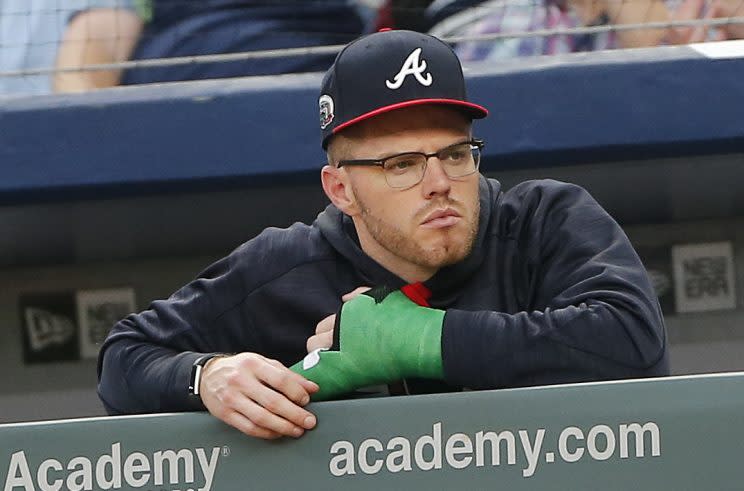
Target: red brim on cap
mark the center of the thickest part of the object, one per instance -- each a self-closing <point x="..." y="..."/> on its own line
<point x="473" y="110"/>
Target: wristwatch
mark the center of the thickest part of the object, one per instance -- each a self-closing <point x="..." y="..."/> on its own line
<point x="196" y="373"/>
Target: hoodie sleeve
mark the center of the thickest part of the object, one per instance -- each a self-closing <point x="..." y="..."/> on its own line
<point x="593" y="313"/>
<point x="145" y="363"/>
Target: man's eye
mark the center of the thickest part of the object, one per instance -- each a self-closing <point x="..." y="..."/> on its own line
<point x="455" y="155"/>
<point x="401" y="165"/>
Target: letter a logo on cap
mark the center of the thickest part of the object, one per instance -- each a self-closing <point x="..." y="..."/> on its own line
<point x="412" y="66"/>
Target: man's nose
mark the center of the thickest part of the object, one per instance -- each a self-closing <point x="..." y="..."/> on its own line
<point x="435" y="180"/>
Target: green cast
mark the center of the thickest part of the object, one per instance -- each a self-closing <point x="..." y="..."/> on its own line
<point x="383" y="337"/>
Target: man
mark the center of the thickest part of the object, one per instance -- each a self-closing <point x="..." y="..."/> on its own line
<point x="473" y="287"/>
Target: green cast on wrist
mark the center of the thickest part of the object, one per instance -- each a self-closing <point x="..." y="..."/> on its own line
<point x="382" y="337"/>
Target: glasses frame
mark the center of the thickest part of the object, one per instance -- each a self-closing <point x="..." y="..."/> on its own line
<point x="475" y="144"/>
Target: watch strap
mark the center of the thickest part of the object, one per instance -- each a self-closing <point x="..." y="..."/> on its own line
<point x="196" y="372"/>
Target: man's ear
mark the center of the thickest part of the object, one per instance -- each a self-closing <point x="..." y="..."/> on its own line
<point x="337" y="187"/>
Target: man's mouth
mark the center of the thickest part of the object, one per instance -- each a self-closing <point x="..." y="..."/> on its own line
<point x="441" y="218"/>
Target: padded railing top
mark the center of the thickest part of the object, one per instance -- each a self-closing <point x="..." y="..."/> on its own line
<point x="671" y="434"/>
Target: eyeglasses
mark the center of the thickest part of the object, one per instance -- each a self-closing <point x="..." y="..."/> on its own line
<point x="405" y="170"/>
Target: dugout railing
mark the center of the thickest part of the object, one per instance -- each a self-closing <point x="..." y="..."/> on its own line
<point x="681" y="433"/>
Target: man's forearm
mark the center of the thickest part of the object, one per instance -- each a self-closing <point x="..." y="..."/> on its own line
<point x="592" y="341"/>
<point x="145" y="378"/>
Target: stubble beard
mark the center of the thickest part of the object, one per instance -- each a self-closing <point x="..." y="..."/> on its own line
<point x="455" y="248"/>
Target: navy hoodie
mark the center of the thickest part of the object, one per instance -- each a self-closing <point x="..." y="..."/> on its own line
<point x="552" y="292"/>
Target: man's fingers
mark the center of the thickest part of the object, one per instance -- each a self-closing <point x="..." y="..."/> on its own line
<point x="269" y="417"/>
<point x="283" y="395"/>
<point x="326" y="324"/>
<point x="245" y="425"/>
<point x="258" y="396"/>
<point x="261" y="420"/>
<point x="309" y="386"/>
<point x="271" y="410"/>
<point x="354" y="293"/>
<point x="291" y="384"/>
<point x="323" y="340"/>
<point x="323" y="337"/>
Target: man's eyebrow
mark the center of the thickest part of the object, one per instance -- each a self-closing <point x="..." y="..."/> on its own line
<point x="445" y="147"/>
<point x="465" y="139"/>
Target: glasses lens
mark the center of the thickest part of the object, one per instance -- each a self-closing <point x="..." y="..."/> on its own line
<point x="460" y="160"/>
<point x="404" y="170"/>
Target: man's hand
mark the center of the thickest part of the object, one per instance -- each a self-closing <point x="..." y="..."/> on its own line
<point x="257" y="395"/>
<point x="323" y="337"/>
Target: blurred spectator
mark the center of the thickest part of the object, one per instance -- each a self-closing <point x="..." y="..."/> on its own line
<point x="171" y="28"/>
<point x="96" y="36"/>
<point x="407" y="14"/>
<point x="451" y="18"/>
<point x="30" y="31"/>
<point x="455" y="18"/>
<point x="732" y="8"/>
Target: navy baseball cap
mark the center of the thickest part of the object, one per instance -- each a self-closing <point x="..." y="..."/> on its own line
<point x="390" y="70"/>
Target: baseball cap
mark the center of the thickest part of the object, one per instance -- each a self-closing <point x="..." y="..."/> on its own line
<point x="390" y="70"/>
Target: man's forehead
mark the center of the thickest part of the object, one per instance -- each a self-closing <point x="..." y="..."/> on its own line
<point x="390" y="125"/>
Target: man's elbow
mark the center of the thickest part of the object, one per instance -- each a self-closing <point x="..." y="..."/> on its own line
<point x="650" y="355"/>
